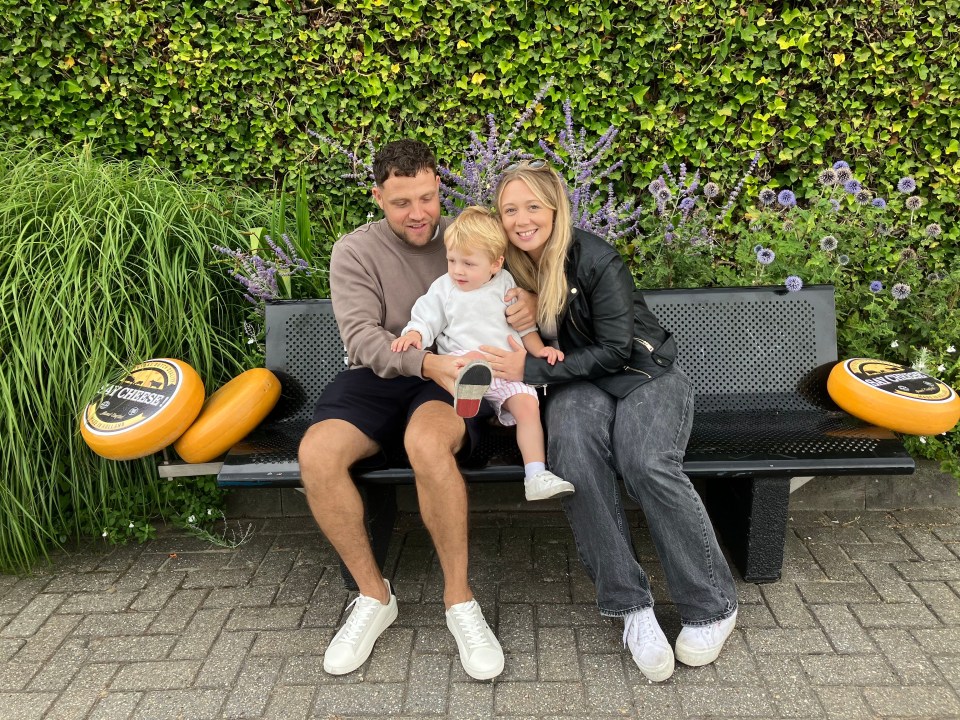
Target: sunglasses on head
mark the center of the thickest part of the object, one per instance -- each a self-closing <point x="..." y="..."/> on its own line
<point x="532" y="164"/>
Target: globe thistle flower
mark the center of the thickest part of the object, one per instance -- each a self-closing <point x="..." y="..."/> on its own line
<point x="914" y="202"/>
<point x="757" y="248"/>
<point x="876" y="286"/>
<point x="863" y="197"/>
<point x="765" y="256"/>
<point x="793" y="283"/>
<point x="935" y="277"/>
<point x="900" y="291"/>
<point x="933" y="230"/>
<point x="835" y="204"/>
<point x="755" y="226"/>
<point x="906" y="185"/>
<point x="767" y="196"/>
<point x="655" y="186"/>
<point x="844" y="175"/>
<point x="786" y="198"/>
<point x="843" y="259"/>
<point x="908" y="254"/>
<point x="828" y="243"/>
<point x="711" y="189"/>
<point x="664" y="194"/>
<point x="879" y="203"/>
<point x="841" y="164"/>
<point x="852" y="186"/>
<point x="827" y="177"/>
<point x="687" y="204"/>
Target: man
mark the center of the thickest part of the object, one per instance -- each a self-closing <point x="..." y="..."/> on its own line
<point x="377" y="273"/>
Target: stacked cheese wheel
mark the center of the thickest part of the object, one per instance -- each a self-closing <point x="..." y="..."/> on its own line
<point x="161" y="402"/>
<point x="894" y="396"/>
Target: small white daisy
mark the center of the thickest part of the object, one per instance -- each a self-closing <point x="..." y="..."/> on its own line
<point x="894" y="344"/>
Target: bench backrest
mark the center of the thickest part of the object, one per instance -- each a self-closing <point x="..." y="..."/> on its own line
<point x="744" y="348"/>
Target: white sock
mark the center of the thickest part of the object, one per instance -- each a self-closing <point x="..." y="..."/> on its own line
<point x="531" y="469"/>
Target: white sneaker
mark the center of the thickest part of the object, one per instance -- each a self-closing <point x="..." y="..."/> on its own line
<point x="648" y="645"/>
<point x="480" y="653"/>
<point x="544" y="485"/>
<point x="701" y="644"/>
<point x="353" y="643"/>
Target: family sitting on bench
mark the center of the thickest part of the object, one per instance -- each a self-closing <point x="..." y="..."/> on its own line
<point x="618" y="406"/>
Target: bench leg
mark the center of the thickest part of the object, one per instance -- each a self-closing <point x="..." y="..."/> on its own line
<point x="751" y="516"/>
<point x="381" y="507"/>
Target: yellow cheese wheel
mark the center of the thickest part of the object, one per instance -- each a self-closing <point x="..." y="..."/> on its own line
<point x="894" y="396"/>
<point x="145" y="411"/>
<point x="229" y="414"/>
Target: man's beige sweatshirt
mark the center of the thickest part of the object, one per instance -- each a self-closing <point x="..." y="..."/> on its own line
<point x="375" y="278"/>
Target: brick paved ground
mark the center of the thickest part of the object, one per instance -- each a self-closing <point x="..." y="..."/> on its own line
<point x="864" y="624"/>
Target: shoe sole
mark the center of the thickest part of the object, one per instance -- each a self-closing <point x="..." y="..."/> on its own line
<point x="558" y="493"/>
<point x="697" y="658"/>
<point x="488" y="675"/>
<point x="344" y="669"/>
<point x="472" y="383"/>
<point x="659" y="673"/>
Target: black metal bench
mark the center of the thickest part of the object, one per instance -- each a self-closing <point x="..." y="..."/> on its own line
<point x="758" y="358"/>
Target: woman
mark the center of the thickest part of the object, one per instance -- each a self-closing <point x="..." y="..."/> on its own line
<point x="618" y="405"/>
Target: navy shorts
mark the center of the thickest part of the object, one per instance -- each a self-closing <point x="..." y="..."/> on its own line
<point x="381" y="408"/>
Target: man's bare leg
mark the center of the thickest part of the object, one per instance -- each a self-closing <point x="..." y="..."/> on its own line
<point x="434" y="435"/>
<point x="327" y="451"/>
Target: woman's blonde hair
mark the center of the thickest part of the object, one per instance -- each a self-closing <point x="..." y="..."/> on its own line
<point x="476" y="230"/>
<point x="547" y="278"/>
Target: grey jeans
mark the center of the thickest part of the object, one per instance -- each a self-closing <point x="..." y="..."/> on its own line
<point x="594" y="437"/>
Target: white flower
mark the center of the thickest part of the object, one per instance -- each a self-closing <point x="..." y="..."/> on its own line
<point x="104" y="533"/>
<point x="923" y="439"/>
<point x="941" y="368"/>
<point x="209" y="511"/>
<point x="894" y="344"/>
<point x="130" y="525"/>
<point x="192" y="519"/>
<point x="951" y="349"/>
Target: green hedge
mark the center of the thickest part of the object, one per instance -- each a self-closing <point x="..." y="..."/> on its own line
<point x="228" y="87"/>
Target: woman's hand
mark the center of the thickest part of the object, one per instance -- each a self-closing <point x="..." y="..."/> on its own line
<point x="521" y="308"/>
<point x="507" y="364"/>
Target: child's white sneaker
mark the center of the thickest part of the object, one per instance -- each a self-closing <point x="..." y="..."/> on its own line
<point x="544" y="485"/>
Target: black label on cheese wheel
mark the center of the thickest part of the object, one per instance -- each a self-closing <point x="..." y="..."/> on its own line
<point x="146" y="390"/>
<point x="898" y="380"/>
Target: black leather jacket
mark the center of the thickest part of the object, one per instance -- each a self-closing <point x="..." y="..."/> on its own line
<point x="607" y="333"/>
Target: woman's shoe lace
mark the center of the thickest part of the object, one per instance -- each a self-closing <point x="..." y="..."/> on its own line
<point x="639" y="627"/>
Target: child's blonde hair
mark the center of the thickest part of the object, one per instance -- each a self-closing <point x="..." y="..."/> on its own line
<point x="476" y="230"/>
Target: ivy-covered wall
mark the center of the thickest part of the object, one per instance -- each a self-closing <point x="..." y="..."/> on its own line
<point x="228" y="87"/>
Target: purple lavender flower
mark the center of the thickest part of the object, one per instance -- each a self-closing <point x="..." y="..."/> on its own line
<point x="828" y="243"/>
<point x="765" y="256"/>
<point x="687" y="204"/>
<point x="786" y="198"/>
<point x="793" y="283"/>
<point x="900" y="291"/>
<point x="711" y="189"/>
<point x="879" y="203"/>
<point x="841" y="164"/>
<point x="835" y="204"/>
<point x="906" y="185"/>
<point x="852" y="186"/>
<point x="767" y="196"/>
<point x="669" y="238"/>
<point x="876" y="286"/>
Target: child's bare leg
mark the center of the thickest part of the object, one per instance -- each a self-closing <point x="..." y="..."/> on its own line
<point x="526" y="410"/>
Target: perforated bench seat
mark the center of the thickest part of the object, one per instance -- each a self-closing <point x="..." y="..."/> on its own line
<point x="758" y="359"/>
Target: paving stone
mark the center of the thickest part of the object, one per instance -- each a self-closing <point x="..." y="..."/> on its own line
<point x="327" y="614"/>
<point x="601" y="640"/>
<point x="116" y="706"/>
<point x="290" y="702"/>
<point x="894" y="615"/>
<point x="941" y="599"/>
<point x="128" y="623"/>
<point x="880" y="552"/>
<point x="156" y="592"/>
<point x="938" y="641"/>
<point x="25" y="706"/>
<point x="791" y="642"/>
<point x="282" y="643"/>
<point x="755" y="616"/>
<point x="907" y="658"/>
<point x="300" y="585"/>
<point x="108" y="601"/>
<point x="569" y="615"/>
<point x="657" y="700"/>
<point x="538" y="698"/>
<point x="843" y="630"/>
<point x="787" y="605"/>
<point x="516" y="631"/>
<point x="274" y="567"/>
<point x="788" y="688"/>
<point x="421" y="615"/>
<point x="178" y="612"/>
<point x="847" y="670"/>
<point x="260" y="596"/>
<point x="82" y="582"/>
<point x="200" y="634"/>
<point x="950" y="669"/>
<point x="225" y="659"/>
<point x="94" y="676"/>
<point x="59" y="670"/>
<point x="196" y="704"/>
<point x="918" y="702"/>
<point x="834" y="533"/>
<point x="837" y="592"/>
<point x="434" y="640"/>
<point x="927" y="545"/>
<point x="929" y="517"/>
<point x="887" y="582"/>
<point x="15" y="675"/>
<point x="520" y="667"/>
<point x="529" y="589"/>
<point x="253" y="688"/>
<point x="605" y="685"/>
<point x="557" y="654"/>
<point x="284" y="618"/>
<point x="71" y="705"/>
<point x="428" y="685"/>
<point x="156" y="675"/>
<point x="131" y="648"/>
<point x="471" y="700"/>
<point x="33" y="615"/>
<point x="844" y="703"/>
<point x="736" y="665"/>
<point x="836" y="564"/>
<point x="9" y="647"/>
<point x="221" y="578"/>
<point x="936" y="570"/>
<point x="381" y="699"/>
<point x="727" y="702"/>
<point x="390" y="660"/>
